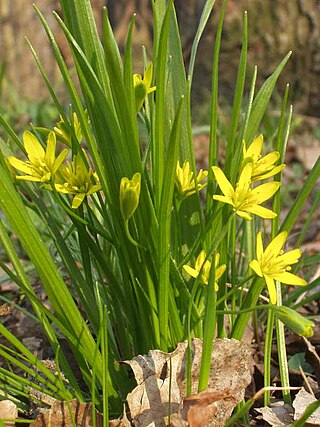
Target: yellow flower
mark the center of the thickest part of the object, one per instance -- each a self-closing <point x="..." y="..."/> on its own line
<point x="62" y="130"/>
<point x="273" y="264"/>
<point x="185" y="183"/>
<point x="42" y="165"/>
<point x="76" y="178"/>
<point x="204" y="266"/>
<point x="243" y="198"/>
<point x="262" y="167"/>
<point x="142" y="86"/>
<point x="129" y="195"/>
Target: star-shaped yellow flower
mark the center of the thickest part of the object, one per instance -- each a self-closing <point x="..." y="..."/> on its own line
<point x="262" y="167"/>
<point x="243" y="198"/>
<point x="76" y="178"/>
<point x="62" y="129"/>
<point x="273" y="264"/>
<point x="42" y="165"/>
<point x="204" y="266"/>
<point x="142" y="86"/>
<point x="185" y="183"/>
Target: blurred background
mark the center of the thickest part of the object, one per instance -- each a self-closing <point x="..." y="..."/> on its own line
<point x="275" y="27"/>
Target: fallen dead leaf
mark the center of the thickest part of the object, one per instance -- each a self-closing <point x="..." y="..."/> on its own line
<point x="199" y="409"/>
<point x="122" y="421"/>
<point x="278" y="414"/>
<point x="59" y="415"/>
<point x="161" y="379"/>
<point x="8" y="411"/>
<point x="302" y="400"/>
<point x="5" y="309"/>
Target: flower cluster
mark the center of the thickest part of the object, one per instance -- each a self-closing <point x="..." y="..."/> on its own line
<point x="185" y="183"/>
<point x="75" y="177"/>
<point x="203" y="267"/>
<point x="246" y="199"/>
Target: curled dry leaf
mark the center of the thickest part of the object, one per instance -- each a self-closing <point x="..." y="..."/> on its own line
<point x="199" y="409"/>
<point x="161" y="389"/>
<point x="5" y="309"/>
<point x="278" y="414"/>
<point x="8" y="411"/>
<point x="59" y="415"/>
<point x="302" y="400"/>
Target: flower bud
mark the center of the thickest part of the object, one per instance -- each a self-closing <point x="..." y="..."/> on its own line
<point x="142" y="86"/>
<point x="295" y="321"/>
<point x="129" y="195"/>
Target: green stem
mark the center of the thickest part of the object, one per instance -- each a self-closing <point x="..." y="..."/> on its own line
<point x="232" y="243"/>
<point x="282" y="352"/>
<point x="129" y="237"/>
<point x="209" y="327"/>
<point x="267" y="356"/>
<point x="249" y="302"/>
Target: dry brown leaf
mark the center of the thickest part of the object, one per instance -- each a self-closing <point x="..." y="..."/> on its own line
<point x="59" y="416"/>
<point x="8" y="411"/>
<point x="5" y="309"/>
<point x="278" y="414"/>
<point x="160" y="375"/>
<point x="300" y="404"/>
<point x="122" y="421"/>
<point x="199" y="409"/>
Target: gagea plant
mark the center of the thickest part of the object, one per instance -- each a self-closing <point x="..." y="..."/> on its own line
<point x="148" y="250"/>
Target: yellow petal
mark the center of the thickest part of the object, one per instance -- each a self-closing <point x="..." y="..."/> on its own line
<point x="256" y="147"/>
<point x="223" y="182"/>
<point x="51" y="150"/>
<point x="270" y="159"/>
<point x="290" y="279"/>
<point x="275" y="246"/>
<point x="269" y="174"/>
<point x="291" y="257"/>
<point x="200" y="260"/>
<point x="259" y="248"/>
<point x="77" y="200"/>
<point x="261" y="211"/>
<point x="271" y="289"/>
<point x="32" y="146"/>
<point x="20" y="165"/>
<point x="147" y="78"/>
<point x="255" y="266"/>
<point x="219" y="271"/>
<point x="137" y="79"/>
<point x="94" y="189"/>
<point x="191" y="271"/>
<point x="265" y="191"/>
<point x="244" y="215"/>
<point x="28" y="178"/>
<point x="59" y="160"/>
<point x="245" y="176"/>
<point x="223" y="199"/>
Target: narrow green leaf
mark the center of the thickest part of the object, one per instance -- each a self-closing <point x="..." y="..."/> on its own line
<point x="261" y="101"/>
<point x="165" y="228"/>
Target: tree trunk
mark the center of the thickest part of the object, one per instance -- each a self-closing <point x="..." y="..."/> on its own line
<point x="275" y="27"/>
<point x="17" y="20"/>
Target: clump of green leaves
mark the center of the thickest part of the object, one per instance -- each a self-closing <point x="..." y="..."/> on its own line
<point x="127" y="219"/>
